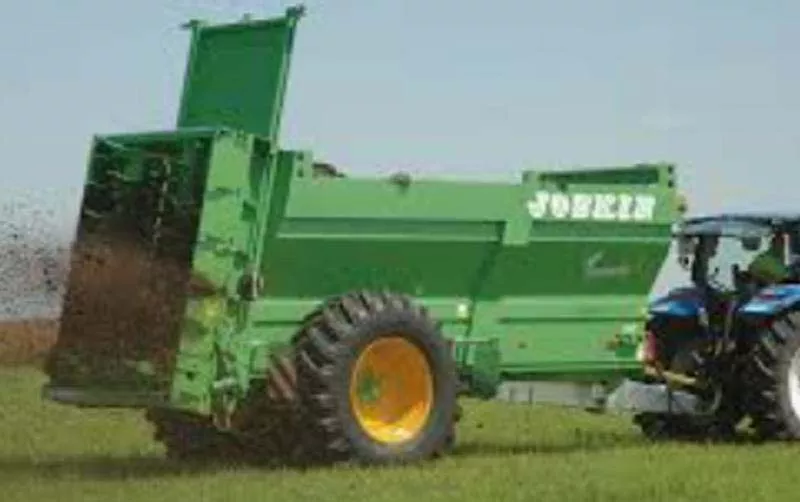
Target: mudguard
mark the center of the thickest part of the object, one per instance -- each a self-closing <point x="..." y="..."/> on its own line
<point x="680" y="302"/>
<point x="772" y="300"/>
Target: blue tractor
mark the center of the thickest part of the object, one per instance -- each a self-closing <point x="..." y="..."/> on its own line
<point x="726" y="347"/>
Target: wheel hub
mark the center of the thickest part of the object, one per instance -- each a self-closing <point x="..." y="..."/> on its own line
<point x="391" y="390"/>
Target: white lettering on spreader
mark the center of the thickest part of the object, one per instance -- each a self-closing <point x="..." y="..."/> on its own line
<point x="597" y="206"/>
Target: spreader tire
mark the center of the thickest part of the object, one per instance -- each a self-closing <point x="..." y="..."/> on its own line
<point x="774" y="379"/>
<point x="384" y="340"/>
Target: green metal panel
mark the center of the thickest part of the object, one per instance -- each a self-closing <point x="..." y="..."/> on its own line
<point x="569" y="299"/>
<point x="222" y="233"/>
<point x="561" y="289"/>
<point x="236" y="74"/>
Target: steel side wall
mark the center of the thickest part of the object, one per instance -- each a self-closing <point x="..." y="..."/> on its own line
<point x="472" y="254"/>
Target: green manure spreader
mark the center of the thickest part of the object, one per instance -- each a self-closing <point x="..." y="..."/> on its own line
<point x="254" y="300"/>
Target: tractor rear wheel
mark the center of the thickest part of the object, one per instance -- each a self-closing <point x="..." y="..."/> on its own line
<point x="376" y="380"/>
<point x="774" y="379"/>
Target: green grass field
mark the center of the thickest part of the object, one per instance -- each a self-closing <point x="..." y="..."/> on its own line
<point x="505" y="452"/>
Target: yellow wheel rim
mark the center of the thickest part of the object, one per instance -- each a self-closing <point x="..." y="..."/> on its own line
<point x="391" y="390"/>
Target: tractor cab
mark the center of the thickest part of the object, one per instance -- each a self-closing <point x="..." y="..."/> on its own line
<point x="739" y="254"/>
<point x="729" y="258"/>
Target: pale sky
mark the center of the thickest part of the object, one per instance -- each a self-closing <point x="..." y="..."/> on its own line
<point x="441" y="88"/>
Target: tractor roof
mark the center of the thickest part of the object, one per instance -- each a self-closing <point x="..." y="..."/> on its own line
<point x="751" y="224"/>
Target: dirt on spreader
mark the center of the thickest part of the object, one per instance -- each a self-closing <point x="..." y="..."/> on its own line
<point x="119" y="304"/>
<point x="26" y="342"/>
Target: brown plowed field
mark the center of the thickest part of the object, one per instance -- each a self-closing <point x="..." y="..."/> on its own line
<point x="26" y="341"/>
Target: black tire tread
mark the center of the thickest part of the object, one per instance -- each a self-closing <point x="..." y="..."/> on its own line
<point x="317" y="348"/>
<point x="769" y="422"/>
<point x="293" y="420"/>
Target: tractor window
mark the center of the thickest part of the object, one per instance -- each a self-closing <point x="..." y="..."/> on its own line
<point x="731" y="252"/>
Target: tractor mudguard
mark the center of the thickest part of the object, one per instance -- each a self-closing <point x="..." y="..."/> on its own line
<point x="679" y="302"/>
<point x="772" y="300"/>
